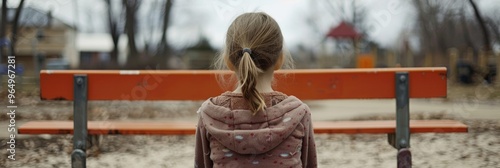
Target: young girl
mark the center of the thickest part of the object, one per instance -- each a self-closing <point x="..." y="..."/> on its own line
<point x="254" y="126"/>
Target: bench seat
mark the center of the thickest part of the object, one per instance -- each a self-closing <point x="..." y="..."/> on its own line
<point x="187" y="128"/>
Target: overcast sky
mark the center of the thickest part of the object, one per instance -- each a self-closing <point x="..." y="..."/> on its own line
<point x="302" y="22"/>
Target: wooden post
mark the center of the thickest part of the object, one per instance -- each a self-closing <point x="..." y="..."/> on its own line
<point x="452" y="65"/>
<point x="357" y="52"/>
<point x="428" y="60"/>
<point x="391" y="59"/>
<point x="409" y="59"/>
<point x="374" y="51"/>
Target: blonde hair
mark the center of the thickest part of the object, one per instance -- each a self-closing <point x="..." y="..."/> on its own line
<point x="261" y="34"/>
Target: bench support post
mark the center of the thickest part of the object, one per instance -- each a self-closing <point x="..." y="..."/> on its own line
<point x="78" y="156"/>
<point x="402" y="111"/>
<point x="401" y="139"/>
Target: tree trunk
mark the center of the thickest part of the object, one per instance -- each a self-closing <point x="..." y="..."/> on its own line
<point x="466" y="35"/>
<point x="164" y="49"/>
<point x="438" y="37"/>
<point x="115" y="34"/>
<point x="487" y="44"/>
<point x="487" y="49"/>
<point x="15" y="27"/>
<point x="3" y="26"/>
<point x="131" y="7"/>
<point x="424" y="26"/>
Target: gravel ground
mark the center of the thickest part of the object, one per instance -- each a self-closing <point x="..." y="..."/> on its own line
<point x="479" y="148"/>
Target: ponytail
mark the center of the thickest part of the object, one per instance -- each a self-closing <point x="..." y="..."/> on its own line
<point x="248" y="73"/>
<point x="261" y="33"/>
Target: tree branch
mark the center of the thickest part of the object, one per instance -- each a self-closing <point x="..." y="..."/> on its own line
<point x="15" y="27"/>
<point x="479" y="18"/>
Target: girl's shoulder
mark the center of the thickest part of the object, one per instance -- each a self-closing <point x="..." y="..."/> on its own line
<point x="265" y="94"/>
<point x="236" y="100"/>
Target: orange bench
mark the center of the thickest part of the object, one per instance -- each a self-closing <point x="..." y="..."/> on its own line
<point x="187" y="128"/>
<point x="401" y="84"/>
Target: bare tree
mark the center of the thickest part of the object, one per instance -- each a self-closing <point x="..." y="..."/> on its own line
<point x="443" y="24"/>
<point x="15" y="27"/>
<point x="357" y="18"/>
<point x="3" y="28"/>
<point x="480" y="20"/>
<point x="113" y="31"/>
<point x="429" y="25"/>
<point x="163" y="47"/>
<point x="151" y="24"/>
<point x="131" y="7"/>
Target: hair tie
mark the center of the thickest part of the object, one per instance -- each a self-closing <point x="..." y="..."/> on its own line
<point x="247" y="50"/>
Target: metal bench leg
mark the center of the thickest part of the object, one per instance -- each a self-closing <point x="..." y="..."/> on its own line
<point x="401" y="139"/>
<point x="404" y="158"/>
<point x="78" y="156"/>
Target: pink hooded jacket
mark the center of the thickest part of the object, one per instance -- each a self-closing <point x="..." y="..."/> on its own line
<point x="228" y="135"/>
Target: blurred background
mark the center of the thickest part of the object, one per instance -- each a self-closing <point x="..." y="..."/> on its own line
<point x="463" y="35"/>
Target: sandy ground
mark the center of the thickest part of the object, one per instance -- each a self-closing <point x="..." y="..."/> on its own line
<point x="478" y="107"/>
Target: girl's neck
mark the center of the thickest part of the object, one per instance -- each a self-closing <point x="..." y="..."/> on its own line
<point x="264" y="82"/>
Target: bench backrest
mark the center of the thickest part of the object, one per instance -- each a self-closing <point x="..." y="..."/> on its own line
<point x="202" y="84"/>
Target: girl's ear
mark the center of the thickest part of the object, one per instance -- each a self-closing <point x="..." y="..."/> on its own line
<point x="230" y="65"/>
<point x="279" y="62"/>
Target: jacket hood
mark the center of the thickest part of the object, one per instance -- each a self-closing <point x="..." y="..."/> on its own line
<point x="242" y="132"/>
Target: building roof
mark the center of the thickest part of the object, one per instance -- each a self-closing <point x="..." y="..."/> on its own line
<point x="343" y="30"/>
<point x="31" y="17"/>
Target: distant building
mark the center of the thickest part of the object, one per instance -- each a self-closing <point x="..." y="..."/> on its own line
<point x="200" y="56"/>
<point x="94" y="50"/>
<point x="360" y="56"/>
<point x="343" y="30"/>
<point x="56" y="39"/>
